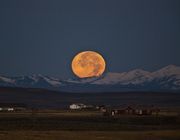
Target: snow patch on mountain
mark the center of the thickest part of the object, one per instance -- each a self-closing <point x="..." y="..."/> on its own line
<point x="170" y="70"/>
<point x="52" y="81"/>
<point x="6" y="79"/>
<point x="110" y="78"/>
<point x="136" y="76"/>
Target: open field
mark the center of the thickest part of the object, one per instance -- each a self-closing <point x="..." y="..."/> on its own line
<point x="89" y="125"/>
<point x="85" y="121"/>
<point x="90" y="135"/>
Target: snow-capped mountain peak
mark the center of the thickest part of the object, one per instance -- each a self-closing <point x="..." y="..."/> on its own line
<point x="167" y="78"/>
<point x="136" y="76"/>
<point x="167" y="71"/>
<point x="140" y="77"/>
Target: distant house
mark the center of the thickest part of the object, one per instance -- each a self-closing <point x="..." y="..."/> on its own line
<point x="10" y="107"/>
<point x="77" y="106"/>
<point x="134" y="111"/>
<point x="81" y="106"/>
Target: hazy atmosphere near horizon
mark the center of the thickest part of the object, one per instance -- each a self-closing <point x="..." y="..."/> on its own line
<point x="42" y="37"/>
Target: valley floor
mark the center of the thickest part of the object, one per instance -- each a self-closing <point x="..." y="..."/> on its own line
<point x="91" y="135"/>
<point x="87" y="125"/>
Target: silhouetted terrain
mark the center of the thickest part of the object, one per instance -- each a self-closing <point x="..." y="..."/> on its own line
<point x="40" y="98"/>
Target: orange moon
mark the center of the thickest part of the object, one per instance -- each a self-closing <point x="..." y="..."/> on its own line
<point x="88" y="64"/>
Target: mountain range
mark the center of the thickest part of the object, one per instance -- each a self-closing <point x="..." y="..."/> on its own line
<point x="166" y="79"/>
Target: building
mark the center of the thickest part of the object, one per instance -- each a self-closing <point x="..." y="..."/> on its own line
<point x="77" y="106"/>
<point x="141" y="111"/>
<point x="11" y="107"/>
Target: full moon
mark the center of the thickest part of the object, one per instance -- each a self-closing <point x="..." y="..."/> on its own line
<point x="88" y="64"/>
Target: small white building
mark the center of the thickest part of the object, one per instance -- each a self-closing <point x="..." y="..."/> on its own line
<point x="77" y="106"/>
<point x="11" y="107"/>
<point x="7" y="109"/>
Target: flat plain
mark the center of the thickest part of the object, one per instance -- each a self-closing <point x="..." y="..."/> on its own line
<point x="81" y="125"/>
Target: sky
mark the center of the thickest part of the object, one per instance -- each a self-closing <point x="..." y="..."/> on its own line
<point x="43" y="36"/>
